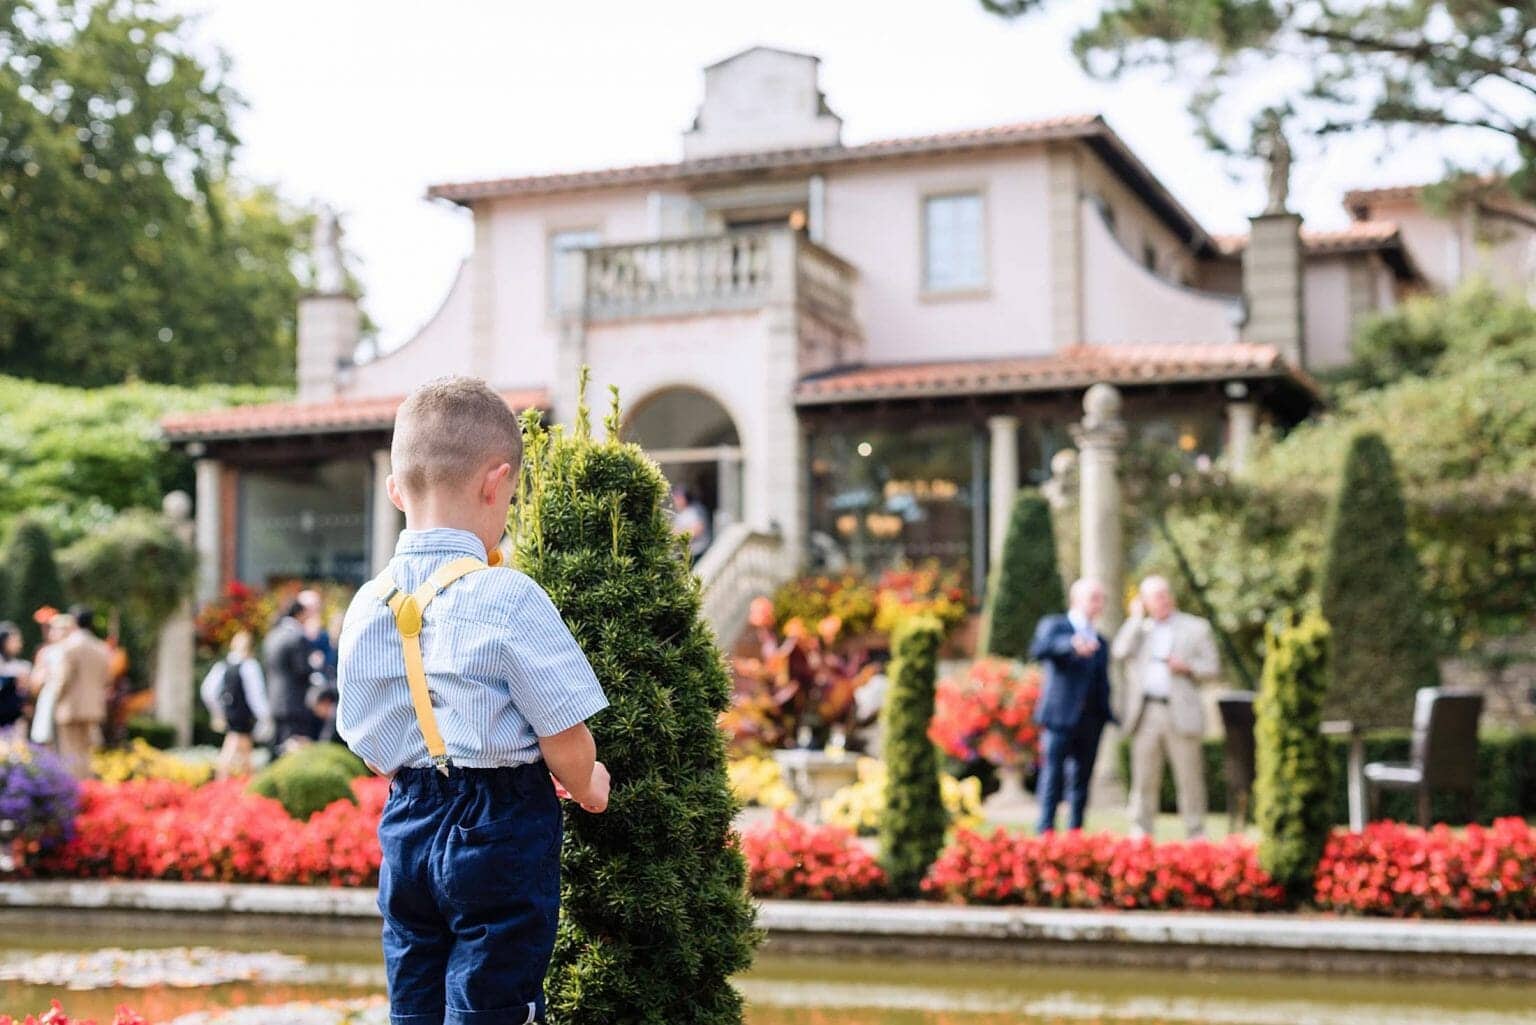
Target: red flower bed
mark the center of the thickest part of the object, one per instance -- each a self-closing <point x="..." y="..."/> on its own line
<point x="791" y="860"/>
<point x="1077" y="870"/>
<point x="156" y="829"/>
<point x="1405" y="872"/>
<point x="55" y="1016"/>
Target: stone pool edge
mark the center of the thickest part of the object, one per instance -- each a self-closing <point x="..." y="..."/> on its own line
<point x="1144" y="938"/>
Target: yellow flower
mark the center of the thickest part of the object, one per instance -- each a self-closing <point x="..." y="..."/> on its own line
<point x="141" y="760"/>
<point x="758" y="780"/>
<point x="860" y="805"/>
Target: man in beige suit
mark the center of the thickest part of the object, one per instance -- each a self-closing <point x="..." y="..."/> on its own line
<point x="1165" y="654"/>
<point x="84" y="674"/>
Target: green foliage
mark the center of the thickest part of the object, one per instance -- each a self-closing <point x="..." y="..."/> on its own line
<point x="126" y="248"/>
<point x="1025" y="585"/>
<point x="656" y="917"/>
<point x="76" y="457"/>
<point x="157" y="734"/>
<point x="1292" y="779"/>
<point x="1463" y="439"/>
<point x="1422" y="65"/>
<point x="34" y="577"/>
<point x="310" y="779"/>
<point x="1371" y="597"/>
<point x="136" y="564"/>
<point x="912" y="831"/>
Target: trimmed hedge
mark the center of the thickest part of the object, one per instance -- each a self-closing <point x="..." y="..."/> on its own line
<point x="1506" y="774"/>
<point x="310" y="779"/>
<point x="1025" y="585"/>
<point x="912" y="829"/>
<point x="1383" y="646"/>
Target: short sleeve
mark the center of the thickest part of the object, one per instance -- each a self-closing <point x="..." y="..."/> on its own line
<point x="551" y="681"/>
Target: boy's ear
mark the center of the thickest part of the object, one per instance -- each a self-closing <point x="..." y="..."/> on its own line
<point x="392" y="488"/>
<point x="493" y="481"/>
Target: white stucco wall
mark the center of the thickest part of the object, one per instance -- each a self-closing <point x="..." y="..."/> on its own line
<point x="1328" y="326"/>
<point x="441" y="346"/>
<point x="1135" y="225"/>
<point x="1123" y="301"/>
<point x="874" y="220"/>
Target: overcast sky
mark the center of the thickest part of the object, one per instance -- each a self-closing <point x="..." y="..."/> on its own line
<point x="364" y="103"/>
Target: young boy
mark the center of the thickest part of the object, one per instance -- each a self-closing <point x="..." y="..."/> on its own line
<point x="462" y="684"/>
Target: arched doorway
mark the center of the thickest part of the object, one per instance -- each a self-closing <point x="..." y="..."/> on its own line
<point x="695" y="440"/>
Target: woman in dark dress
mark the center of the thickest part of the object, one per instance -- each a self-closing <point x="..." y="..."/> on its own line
<point x="14" y="671"/>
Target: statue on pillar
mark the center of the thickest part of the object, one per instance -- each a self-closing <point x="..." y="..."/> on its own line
<point x="330" y="271"/>
<point x="1269" y="142"/>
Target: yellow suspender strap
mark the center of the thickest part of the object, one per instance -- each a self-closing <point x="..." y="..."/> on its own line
<point x="408" y="609"/>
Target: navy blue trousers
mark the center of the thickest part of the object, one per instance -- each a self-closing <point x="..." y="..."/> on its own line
<point x="470" y="892"/>
<point x="1066" y="764"/>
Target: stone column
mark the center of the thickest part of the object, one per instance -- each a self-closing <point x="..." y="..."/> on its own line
<point x="384" y="528"/>
<point x="175" y="647"/>
<point x="729" y="470"/>
<point x="816" y="214"/>
<point x="1242" y="422"/>
<point x="210" y="474"/>
<point x="571" y="348"/>
<point x="1099" y="439"/>
<point x="1003" y="474"/>
<point x="1272" y="286"/>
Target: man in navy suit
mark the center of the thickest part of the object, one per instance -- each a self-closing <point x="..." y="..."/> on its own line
<point x="1074" y="704"/>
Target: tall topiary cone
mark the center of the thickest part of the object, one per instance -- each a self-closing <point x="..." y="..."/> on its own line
<point x="34" y="578"/>
<point x="1371" y="596"/>
<point x="912" y="829"/>
<point x="1025" y="585"/>
<point x="656" y="918"/>
<point x="1292" y="770"/>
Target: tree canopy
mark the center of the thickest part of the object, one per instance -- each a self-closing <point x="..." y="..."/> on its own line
<point x="127" y="248"/>
<point x="1399" y="64"/>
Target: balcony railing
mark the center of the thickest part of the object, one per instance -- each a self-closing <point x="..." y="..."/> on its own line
<point x="679" y="276"/>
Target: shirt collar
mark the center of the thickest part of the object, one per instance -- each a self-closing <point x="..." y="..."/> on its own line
<point x="1078" y="620"/>
<point x="439" y="541"/>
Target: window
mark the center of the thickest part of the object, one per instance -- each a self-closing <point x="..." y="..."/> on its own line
<point x="1149" y="256"/>
<point x="560" y="264"/>
<point x="954" y="259"/>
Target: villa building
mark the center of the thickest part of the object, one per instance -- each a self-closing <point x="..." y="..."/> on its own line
<point x="851" y="352"/>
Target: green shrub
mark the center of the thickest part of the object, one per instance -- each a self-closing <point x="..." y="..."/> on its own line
<point x="152" y="731"/>
<point x="657" y="919"/>
<point x="1382" y="648"/>
<point x="1292" y="778"/>
<point x="310" y="779"/>
<point x="912" y="831"/>
<point x="1025" y="585"/>
<point x="28" y="557"/>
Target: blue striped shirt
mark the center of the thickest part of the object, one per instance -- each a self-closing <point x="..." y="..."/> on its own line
<point x="502" y="668"/>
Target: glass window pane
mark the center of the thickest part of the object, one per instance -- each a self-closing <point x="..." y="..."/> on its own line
<point x="953" y="236"/>
<point x="305" y="523"/>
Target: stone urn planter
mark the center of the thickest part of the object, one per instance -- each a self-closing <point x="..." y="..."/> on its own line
<point x="815" y="774"/>
<point x="1010" y="804"/>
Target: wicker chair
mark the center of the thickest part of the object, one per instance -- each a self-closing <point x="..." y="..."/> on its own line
<point x="1238" y="763"/>
<point x="1443" y="756"/>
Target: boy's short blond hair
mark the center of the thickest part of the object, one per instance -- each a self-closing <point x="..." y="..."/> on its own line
<point x="448" y="432"/>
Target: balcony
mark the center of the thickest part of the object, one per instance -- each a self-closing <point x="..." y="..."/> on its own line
<point x="720" y="274"/>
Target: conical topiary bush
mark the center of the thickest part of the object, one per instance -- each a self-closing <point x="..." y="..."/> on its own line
<point x="912" y="829"/>
<point x="34" y="578"/>
<point x="656" y="918"/>
<point x="1025" y="585"/>
<point x="1372" y="596"/>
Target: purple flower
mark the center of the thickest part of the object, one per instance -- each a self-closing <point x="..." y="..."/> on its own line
<point x="38" y="796"/>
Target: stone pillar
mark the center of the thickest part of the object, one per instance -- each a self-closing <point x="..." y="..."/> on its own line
<point x="482" y="299"/>
<point x="210" y="473"/>
<point x="384" y="528"/>
<point x="1242" y="423"/>
<point x="729" y="470"/>
<point x="776" y="450"/>
<point x="571" y="347"/>
<point x="1099" y="439"/>
<point x="816" y="214"/>
<point x="175" y="648"/>
<point x="329" y="329"/>
<point x="1272" y="285"/>
<point x="1003" y="481"/>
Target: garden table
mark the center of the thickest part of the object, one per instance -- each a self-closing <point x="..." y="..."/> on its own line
<point x="1355" y="773"/>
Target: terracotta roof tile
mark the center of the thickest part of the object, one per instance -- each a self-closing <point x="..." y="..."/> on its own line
<point x="1358" y="236"/>
<point x="275" y="419"/>
<point x="1077" y="366"/>
<point x="807" y="157"/>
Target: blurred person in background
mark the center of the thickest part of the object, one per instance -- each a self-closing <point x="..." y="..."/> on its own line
<point x="15" y="672"/>
<point x="235" y="693"/>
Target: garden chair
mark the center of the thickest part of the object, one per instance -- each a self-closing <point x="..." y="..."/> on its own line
<point x="1443" y="756"/>
<point x="1238" y="762"/>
